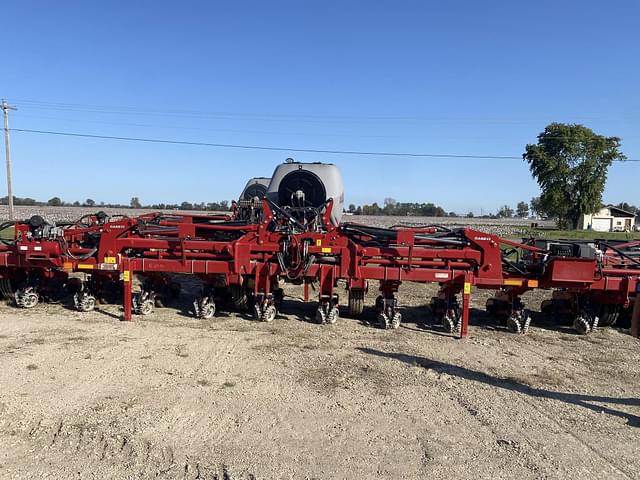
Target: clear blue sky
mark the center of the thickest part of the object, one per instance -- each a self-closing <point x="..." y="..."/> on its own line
<point x="460" y="77"/>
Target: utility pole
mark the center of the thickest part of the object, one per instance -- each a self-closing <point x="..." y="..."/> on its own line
<point x="5" y="109"/>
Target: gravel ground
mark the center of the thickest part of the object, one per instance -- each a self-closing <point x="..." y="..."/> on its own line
<point x="167" y="396"/>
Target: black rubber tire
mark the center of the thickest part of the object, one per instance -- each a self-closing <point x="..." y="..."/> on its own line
<point x="608" y="315"/>
<point x="490" y="308"/>
<point x="356" y="302"/>
<point x="239" y="297"/>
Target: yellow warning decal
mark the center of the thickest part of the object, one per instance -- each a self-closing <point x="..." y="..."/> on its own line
<point x="126" y="276"/>
<point x="532" y="283"/>
<point x="467" y="288"/>
<point x="513" y="283"/>
<point x="326" y="250"/>
<point x="109" y="260"/>
<point x="318" y="243"/>
<point x="85" y="266"/>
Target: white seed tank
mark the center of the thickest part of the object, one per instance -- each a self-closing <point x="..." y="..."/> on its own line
<point x="311" y="183"/>
<point x="256" y="187"/>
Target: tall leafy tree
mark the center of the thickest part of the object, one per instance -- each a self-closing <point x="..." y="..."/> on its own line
<point x="536" y="206"/>
<point x="570" y="163"/>
<point x="522" y="209"/>
<point x="505" y="212"/>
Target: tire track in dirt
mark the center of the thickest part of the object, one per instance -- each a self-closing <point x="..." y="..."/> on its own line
<point x="536" y="460"/>
<point x="135" y="455"/>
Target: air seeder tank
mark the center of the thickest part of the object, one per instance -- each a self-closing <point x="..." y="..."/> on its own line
<point x="256" y="187"/>
<point x="297" y="184"/>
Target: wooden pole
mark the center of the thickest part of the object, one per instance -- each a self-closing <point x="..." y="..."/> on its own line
<point x="7" y="151"/>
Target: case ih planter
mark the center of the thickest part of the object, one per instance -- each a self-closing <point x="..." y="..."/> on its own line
<point x="290" y="231"/>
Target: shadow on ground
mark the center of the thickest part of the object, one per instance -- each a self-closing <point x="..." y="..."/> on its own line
<point x="509" y="384"/>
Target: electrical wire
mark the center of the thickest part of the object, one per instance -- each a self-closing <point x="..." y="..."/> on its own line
<point x="119" y="110"/>
<point x="277" y="149"/>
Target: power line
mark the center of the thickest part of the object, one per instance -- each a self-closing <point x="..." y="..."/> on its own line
<point x="262" y="116"/>
<point x="261" y="147"/>
<point x="230" y="130"/>
<point x="279" y="149"/>
<point x="263" y="132"/>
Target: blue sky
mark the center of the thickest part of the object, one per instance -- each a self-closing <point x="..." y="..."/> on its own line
<point x="458" y="77"/>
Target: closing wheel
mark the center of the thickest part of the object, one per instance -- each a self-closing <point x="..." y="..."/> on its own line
<point x="269" y="313"/>
<point x="451" y="321"/>
<point x="84" y="302"/>
<point x="390" y="320"/>
<point x="27" y="298"/>
<point x="396" y="320"/>
<point x="146" y="307"/>
<point x="519" y="321"/>
<point x="382" y="320"/>
<point x="327" y="314"/>
<point x="333" y="315"/>
<point x="207" y="310"/>
<point x="144" y="303"/>
<point x="581" y="325"/>
<point x="204" y="307"/>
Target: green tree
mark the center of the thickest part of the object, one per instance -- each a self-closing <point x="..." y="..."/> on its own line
<point x="627" y="207"/>
<point x="135" y="202"/>
<point x="536" y="206"/>
<point x="570" y="164"/>
<point x="89" y="202"/>
<point x="505" y="212"/>
<point x="522" y="209"/>
<point x="54" y="202"/>
<point x="371" y="209"/>
<point x="352" y="208"/>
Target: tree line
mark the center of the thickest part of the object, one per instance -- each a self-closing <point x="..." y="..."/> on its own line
<point x="134" y="203"/>
<point x="392" y="207"/>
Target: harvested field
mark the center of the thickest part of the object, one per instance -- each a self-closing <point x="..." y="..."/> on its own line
<point x="506" y="226"/>
<point x="70" y="214"/>
<point x="167" y="396"/>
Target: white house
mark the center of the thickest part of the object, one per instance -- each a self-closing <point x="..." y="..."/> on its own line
<point x="608" y="219"/>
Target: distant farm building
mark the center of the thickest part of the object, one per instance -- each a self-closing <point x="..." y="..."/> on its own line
<point x="608" y="219"/>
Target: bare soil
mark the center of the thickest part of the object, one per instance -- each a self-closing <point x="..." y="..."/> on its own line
<point x="167" y="396"/>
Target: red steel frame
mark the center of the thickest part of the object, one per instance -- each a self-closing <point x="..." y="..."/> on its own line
<point x="160" y="243"/>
